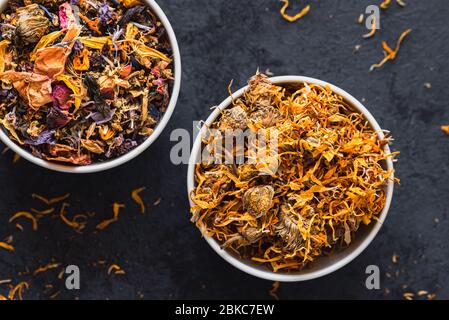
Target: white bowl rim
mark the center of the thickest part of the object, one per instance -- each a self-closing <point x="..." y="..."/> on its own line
<point x="284" y="277"/>
<point x="102" y="166"/>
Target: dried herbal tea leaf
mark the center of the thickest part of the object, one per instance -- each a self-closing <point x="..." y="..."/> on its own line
<point x="66" y="66"/>
<point x="329" y="181"/>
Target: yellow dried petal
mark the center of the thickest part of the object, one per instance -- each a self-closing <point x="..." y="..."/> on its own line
<point x="136" y="197"/>
<point x="27" y="215"/>
<point x="95" y="42"/>
<point x="130" y="3"/>
<point x="297" y="16"/>
<point x="3" y="46"/>
<point x="74" y="85"/>
<point x="6" y="246"/>
<point x="45" y="41"/>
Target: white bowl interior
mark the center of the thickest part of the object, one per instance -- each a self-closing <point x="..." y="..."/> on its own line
<point x="323" y="265"/>
<point x="96" y="167"/>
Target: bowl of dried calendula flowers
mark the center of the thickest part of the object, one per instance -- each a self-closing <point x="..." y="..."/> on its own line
<point x="290" y="178"/>
<point x="85" y="85"/>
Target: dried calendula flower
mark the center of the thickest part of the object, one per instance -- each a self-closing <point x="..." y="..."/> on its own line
<point x="258" y="200"/>
<point x="246" y="237"/>
<point x="32" y="24"/>
<point x="234" y="118"/>
<point x="247" y="171"/>
<point x="330" y="176"/>
<point x="290" y="229"/>
<point x="266" y="116"/>
<point x="69" y="65"/>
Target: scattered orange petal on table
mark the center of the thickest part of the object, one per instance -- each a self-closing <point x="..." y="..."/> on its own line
<point x="297" y="16"/>
<point x="445" y="129"/>
<point x="18" y="290"/>
<point x="6" y="246"/>
<point x="47" y="267"/>
<point x="116" y="269"/>
<point x="136" y="197"/>
<point x="116" y="210"/>
<point x="50" y="201"/>
<point x="389" y="53"/>
<point x="27" y="215"/>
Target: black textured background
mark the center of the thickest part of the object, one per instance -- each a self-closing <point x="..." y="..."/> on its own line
<point x="162" y="252"/>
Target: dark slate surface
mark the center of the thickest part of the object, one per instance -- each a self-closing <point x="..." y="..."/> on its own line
<point x="163" y="254"/>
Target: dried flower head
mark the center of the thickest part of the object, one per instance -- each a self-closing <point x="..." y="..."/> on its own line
<point x="258" y="200"/>
<point x="32" y="24"/>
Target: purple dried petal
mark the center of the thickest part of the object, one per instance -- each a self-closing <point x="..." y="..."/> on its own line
<point x="101" y="118"/>
<point x="104" y="14"/>
<point x="154" y="113"/>
<point x="119" y="147"/>
<point x="56" y="118"/>
<point x="116" y="142"/>
<point x="8" y="94"/>
<point x="125" y="147"/>
<point x="61" y="95"/>
<point x="131" y="14"/>
<point x="78" y="46"/>
<point x="46" y="137"/>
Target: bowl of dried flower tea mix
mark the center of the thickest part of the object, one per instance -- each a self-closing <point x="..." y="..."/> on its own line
<point x="290" y="178"/>
<point x="85" y="85"/>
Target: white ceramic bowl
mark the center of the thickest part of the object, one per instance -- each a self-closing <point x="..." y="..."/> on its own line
<point x="323" y="265"/>
<point x="96" y="167"/>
